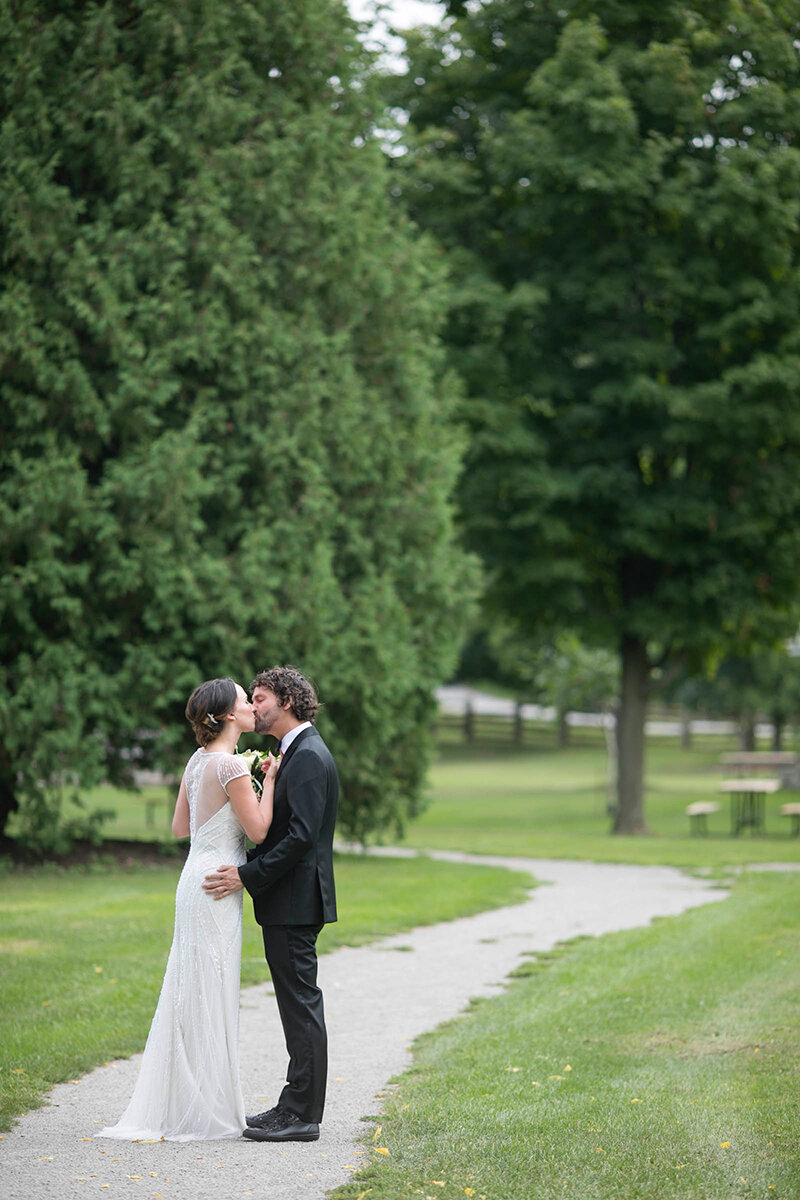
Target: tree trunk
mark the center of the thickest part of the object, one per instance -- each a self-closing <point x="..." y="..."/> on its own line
<point x="747" y="731"/>
<point x="610" y="735"/>
<point x="778" y="724"/>
<point x="518" y="724"/>
<point x="562" y="728"/>
<point x="686" y="730"/>
<point x="629" y="817"/>
<point x="8" y="796"/>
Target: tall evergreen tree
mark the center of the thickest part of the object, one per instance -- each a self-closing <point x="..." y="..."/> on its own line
<point x="225" y="435"/>
<point x="617" y="185"/>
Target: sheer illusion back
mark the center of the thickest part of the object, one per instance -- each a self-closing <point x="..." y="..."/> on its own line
<point x="208" y="774"/>
<point x="188" y="1085"/>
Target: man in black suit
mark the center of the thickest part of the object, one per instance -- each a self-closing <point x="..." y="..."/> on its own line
<point x="290" y="878"/>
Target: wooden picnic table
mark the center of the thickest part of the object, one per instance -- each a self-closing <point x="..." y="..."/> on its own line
<point x="758" y="760"/>
<point x="747" y="801"/>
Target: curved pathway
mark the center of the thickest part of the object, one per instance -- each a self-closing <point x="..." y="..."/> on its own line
<point x="379" y="998"/>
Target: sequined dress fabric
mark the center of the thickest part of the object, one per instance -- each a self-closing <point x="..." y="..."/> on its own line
<point x="188" y="1086"/>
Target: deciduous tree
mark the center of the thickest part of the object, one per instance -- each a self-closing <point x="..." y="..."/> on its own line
<point x="617" y="187"/>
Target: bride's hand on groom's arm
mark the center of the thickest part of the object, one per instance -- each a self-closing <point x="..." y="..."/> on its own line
<point x="224" y="882"/>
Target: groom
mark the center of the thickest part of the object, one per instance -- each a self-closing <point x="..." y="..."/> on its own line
<point x="290" y="878"/>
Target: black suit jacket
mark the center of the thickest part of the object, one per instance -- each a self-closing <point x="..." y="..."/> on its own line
<point x="290" y="875"/>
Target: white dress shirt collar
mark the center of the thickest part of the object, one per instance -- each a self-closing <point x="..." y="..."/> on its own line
<point x="289" y="737"/>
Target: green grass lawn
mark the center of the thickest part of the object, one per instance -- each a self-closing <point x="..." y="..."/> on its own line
<point x="83" y="952"/>
<point x="498" y="798"/>
<point x="659" y="1063"/>
<point x="548" y="803"/>
<point x="660" y="1078"/>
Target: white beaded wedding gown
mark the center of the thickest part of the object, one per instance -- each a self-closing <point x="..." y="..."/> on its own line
<point x="188" y="1086"/>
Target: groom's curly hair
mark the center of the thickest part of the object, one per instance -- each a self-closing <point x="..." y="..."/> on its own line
<point x="290" y="684"/>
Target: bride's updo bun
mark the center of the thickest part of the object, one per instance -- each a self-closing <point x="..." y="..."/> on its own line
<point x="206" y="707"/>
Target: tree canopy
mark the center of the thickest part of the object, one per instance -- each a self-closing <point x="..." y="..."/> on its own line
<point x="225" y="434"/>
<point x="617" y="187"/>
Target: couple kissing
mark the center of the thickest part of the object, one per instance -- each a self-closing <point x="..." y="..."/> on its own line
<point x="188" y="1086"/>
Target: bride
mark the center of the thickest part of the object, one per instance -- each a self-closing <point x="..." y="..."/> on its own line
<point x="188" y="1086"/>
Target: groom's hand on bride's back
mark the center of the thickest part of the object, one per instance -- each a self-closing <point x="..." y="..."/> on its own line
<point x="223" y="882"/>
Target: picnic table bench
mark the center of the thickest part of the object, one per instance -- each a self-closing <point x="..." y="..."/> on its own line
<point x="698" y="814"/>
<point x="792" y="811"/>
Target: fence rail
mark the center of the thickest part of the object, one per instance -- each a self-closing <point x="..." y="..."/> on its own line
<point x="491" y="719"/>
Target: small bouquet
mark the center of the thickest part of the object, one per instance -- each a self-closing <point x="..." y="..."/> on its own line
<point x="256" y="761"/>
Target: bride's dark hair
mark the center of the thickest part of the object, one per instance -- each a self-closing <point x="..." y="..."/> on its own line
<point x="207" y="705"/>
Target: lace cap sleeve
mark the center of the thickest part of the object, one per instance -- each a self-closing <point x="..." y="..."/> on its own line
<point x="231" y="766"/>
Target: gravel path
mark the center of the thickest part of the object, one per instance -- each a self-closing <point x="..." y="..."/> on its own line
<point x="378" y="999"/>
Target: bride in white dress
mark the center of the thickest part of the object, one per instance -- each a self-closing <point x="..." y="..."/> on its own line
<point x="188" y="1086"/>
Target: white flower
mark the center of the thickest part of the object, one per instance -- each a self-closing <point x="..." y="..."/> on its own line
<point x="251" y="757"/>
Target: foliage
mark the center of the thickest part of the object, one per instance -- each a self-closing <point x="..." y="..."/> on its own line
<point x="53" y="818"/>
<point x="617" y="187"/>
<point x="766" y="683"/>
<point x="563" y="672"/>
<point x="225" y="437"/>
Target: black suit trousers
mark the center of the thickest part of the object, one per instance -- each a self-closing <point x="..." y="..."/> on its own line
<point x="291" y="953"/>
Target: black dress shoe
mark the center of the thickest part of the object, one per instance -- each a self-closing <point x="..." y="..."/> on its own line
<point x="291" y="1128"/>
<point x="262" y="1120"/>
